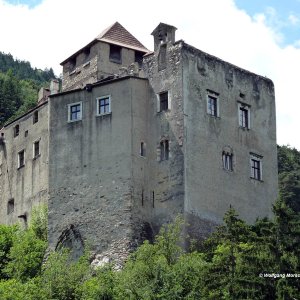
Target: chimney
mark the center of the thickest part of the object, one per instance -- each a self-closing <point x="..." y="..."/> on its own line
<point x="163" y="34"/>
<point x="54" y="86"/>
<point x="43" y="95"/>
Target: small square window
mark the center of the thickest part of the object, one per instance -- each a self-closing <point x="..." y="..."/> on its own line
<point x="103" y="105"/>
<point x="36" y="149"/>
<point x="256" y="166"/>
<point x="16" y="130"/>
<point x="74" y="112"/>
<point x="21" y="159"/>
<point x="244" y="116"/>
<point x="164" y="150"/>
<point x="227" y="161"/>
<point x="115" y="54"/>
<point x="212" y="106"/>
<point x="10" y="206"/>
<point x="163" y="101"/>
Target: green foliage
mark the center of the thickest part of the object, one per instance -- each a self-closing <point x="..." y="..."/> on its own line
<point x="19" y="86"/>
<point x="7" y="234"/>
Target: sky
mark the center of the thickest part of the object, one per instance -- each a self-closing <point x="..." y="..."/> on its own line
<point x="260" y="36"/>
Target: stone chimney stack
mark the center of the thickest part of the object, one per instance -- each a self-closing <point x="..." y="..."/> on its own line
<point x="163" y="34"/>
<point x="54" y="86"/>
<point x="43" y="95"/>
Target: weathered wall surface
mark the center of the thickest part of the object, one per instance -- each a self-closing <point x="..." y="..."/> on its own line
<point x="209" y="188"/>
<point x="90" y="170"/>
<point x="28" y="185"/>
<point x="94" y="66"/>
<point x="164" y="188"/>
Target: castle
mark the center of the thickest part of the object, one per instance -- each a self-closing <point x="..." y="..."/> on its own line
<point x="137" y="137"/>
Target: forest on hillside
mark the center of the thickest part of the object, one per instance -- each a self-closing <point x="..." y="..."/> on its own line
<point x="238" y="261"/>
<point x="19" y="86"/>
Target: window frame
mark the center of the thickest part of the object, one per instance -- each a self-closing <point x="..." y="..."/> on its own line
<point x="70" y="105"/>
<point x="215" y="97"/>
<point x="242" y="107"/>
<point x="98" y="99"/>
<point x="143" y="149"/>
<point x="256" y="167"/>
<point x="35" y="117"/>
<point x="164" y="147"/>
<point x="16" y="130"/>
<point x="114" y="49"/>
<point x="10" y="206"/>
<point x="21" y="152"/>
<point x="227" y="160"/>
<point x="34" y="154"/>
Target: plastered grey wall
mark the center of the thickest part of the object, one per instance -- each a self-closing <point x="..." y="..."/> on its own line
<point x="28" y="185"/>
<point x="90" y="170"/>
<point x="165" y="180"/>
<point x="209" y="188"/>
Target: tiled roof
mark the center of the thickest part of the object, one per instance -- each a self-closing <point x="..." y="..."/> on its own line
<point x="117" y="34"/>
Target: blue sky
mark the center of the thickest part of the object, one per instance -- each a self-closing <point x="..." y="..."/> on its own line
<point x="29" y="3"/>
<point x="282" y="15"/>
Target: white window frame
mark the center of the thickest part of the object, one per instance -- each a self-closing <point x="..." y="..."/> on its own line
<point x="69" y="112"/>
<point x="257" y="159"/>
<point x="242" y="106"/>
<point x="98" y="105"/>
<point x="19" y="162"/>
<point x="33" y="149"/>
<point x="227" y="160"/>
<point x="158" y="101"/>
<point x="212" y="95"/>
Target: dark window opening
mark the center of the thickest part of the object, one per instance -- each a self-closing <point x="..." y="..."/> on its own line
<point x="255" y="169"/>
<point x="26" y="133"/>
<point x="10" y="206"/>
<point x="153" y="199"/>
<point x="115" y="54"/>
<point x="72" y="64"/>
<point x="242" y="95"/>
<point x="21" y="159"/>
<point x="36" y="149"/>
<point x="16" y="130"/>
<point x="103" y="105"/>
<point x="143" y="149"/>
<point x="244" y="117"/>
<point x="162" y="57"/>
<point x="163" y="101"/>
<point x="212" y="106"/>
<point x="227" y="161"/>
<point x="87" y="52"/>
<point x="138" y="57"/>
<point x="142" y="197"/>
<point x="35" y="117"/>
<point x="164" y="150"/>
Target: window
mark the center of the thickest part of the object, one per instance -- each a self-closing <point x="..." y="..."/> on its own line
<point x="163" y="101"/>
<point x="21" y="159"/>
<point x="227" y="161"/>
<point x="10" y="206"/>
<point x="103" y="105"/>
<point x="26" y="133"/>
<point x="35" y="117"/>
<point x="164" y="150"/>
<point x="36" y="149"/>
<point x="72" y="64"/>
<point x="1" y="169"/>
<point x="143" y="149"/>
<point x="256" y="166"/>
<point x="74" y="112"/>
<point x="138" y="57"/>
<point x="115" y="54"/>
<point x="16" y="130"/>
<point x="212" y="106"/>
<point x="244" y="116"/>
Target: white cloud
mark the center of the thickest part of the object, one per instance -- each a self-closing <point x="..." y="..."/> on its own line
<point x="53" y="30"/>
<point x="294" y="20"/>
